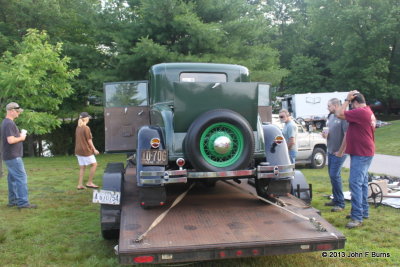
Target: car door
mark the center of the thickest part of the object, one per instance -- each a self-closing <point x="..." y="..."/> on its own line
<point x="303" y="143"/>
<point x="126" y="110"/>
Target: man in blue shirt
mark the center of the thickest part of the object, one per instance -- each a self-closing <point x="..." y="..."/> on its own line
<point x="289" y="131"/>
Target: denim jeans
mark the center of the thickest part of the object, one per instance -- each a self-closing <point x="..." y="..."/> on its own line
<point x="17" y="182"/>
<point x="334" y="167"/>
<point x="358" y="183"/>
<point x="292" y="156"/>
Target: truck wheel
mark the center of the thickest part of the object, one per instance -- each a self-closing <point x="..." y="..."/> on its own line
<point x="219" y="140"/>
<point x="318" y="158"/>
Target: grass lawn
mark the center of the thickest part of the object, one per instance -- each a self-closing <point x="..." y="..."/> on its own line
<point x="65" y="229"/>
<point x="387" y="139"/>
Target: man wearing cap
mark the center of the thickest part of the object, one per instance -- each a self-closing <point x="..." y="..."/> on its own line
<point x="360" y="145"/>
<point x="85" y="151"/>
<point x="12" y="155"/>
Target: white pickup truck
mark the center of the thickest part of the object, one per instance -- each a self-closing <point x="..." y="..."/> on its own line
<point x="312" y="146"/>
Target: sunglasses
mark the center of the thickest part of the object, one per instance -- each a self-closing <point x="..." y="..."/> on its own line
<point x="16" y="108"/>
<point x="282" y="117"/>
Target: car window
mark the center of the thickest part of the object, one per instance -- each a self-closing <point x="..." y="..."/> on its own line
<point x="300" y="129"/>
<point x="126" y="94"/>
<point x="202" y="77"/>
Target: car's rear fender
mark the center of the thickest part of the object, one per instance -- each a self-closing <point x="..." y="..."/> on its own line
<point x="145" y="134"/>
<point x="276" y="150"/>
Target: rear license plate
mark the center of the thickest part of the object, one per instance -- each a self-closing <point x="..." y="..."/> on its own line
<point x="154" y="157"/>
<point x="106" y="197"/>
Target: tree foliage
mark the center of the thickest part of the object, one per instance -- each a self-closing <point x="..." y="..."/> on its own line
<point x="38" y="78"/>
<point x="298" y="45"/>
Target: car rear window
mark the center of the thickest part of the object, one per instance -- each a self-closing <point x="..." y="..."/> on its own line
<point x="202" y="77"/>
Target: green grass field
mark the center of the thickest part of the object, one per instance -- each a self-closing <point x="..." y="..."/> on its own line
<point x="387" y="139"/>
<point x="65" y="229"/>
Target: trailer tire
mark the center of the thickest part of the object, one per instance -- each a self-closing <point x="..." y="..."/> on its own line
<point x="222" y="124"/>
<point x="112" y="234"/>
<point x="318" y="158"/>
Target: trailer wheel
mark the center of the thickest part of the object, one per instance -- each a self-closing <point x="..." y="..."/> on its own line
<point x="110" y="234"/>
<point x="219" y="140"/>
<point x="109" y="230"/>
<point x="318" y="158"/>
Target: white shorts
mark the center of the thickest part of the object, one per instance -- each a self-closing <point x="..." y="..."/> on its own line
<point x="84" y="161"/>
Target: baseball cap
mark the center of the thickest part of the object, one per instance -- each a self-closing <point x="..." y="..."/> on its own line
<point x="13" y="105"/>
<point x="85" y="115"/>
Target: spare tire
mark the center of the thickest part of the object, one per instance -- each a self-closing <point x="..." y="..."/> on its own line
<point x="219" y="140"/>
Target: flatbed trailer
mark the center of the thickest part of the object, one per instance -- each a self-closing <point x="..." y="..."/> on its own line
<point x="220" y="222"/>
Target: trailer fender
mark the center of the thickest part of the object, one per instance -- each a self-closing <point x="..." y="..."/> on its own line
<point x="110" y="215"/>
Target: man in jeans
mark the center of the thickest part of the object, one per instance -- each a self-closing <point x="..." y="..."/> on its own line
<point x="335" y="139"/>
<point x="289" y="131"/>
<point x="12" y="155"/>
<point x="360" y="145"/>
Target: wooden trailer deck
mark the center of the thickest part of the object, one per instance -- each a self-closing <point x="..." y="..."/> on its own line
<point x="217" y="223"/>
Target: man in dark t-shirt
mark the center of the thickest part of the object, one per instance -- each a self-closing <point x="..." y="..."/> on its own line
<point x="335" y="141"/>
<point x="12" y="155"/>
<point x="360" y="145"/>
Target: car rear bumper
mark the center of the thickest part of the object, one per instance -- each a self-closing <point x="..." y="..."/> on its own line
<point x="182" y="176"/>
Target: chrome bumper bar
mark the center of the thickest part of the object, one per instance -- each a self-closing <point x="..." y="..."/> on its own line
<point x="181" y="176"/>
<point x="277" y="171"/>
<point x="163" y="177"/>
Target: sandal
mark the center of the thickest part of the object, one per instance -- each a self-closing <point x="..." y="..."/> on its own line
<point x="92" y="186"/>
<point x="80" y="187"/>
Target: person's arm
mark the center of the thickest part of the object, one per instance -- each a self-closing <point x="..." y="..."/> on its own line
<point x="95" y="151"/>
<point x="340" y="111"/>
<point x="342" y="148"/>
<point x="88" y="135"/>
<point x="292" y="140"/>
<point x="13" y="140"/>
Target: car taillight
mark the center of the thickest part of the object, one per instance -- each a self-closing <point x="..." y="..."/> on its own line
<point x="279" y="139"/>
<point x="155" y="142"/>
<point x="180" y="162"/>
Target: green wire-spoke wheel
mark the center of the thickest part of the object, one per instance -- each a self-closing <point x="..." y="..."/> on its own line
<point x="219" y="140"/>
<point x="221" y="144"/>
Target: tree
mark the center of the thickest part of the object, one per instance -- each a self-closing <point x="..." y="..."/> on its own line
<point x="305" y="75"/>
<point x="359" y="43"/>
<point x="37" y="78"/>
<point x="154" y="31"/>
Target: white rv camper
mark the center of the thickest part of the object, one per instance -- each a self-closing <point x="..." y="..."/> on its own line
<point x="311" y="107"/>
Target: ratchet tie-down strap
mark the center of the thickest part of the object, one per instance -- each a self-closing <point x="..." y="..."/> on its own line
<point x="162" y="215"/>
<point x="314" y="222"/>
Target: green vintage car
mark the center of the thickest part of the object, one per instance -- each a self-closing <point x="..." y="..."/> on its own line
<point x="199" y="122"/>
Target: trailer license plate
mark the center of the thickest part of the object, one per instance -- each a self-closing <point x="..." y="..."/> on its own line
<point x="106" y="197"/>
<point x="154" y="157"/>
